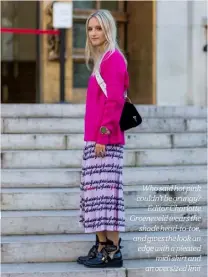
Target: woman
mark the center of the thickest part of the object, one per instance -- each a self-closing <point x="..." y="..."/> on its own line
<point x="101" y="203"/>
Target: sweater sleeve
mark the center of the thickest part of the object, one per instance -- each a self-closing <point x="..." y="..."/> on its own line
<point x="113" y="73"/>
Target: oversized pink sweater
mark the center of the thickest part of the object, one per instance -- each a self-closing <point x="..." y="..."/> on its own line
<point x="106" y="111"/>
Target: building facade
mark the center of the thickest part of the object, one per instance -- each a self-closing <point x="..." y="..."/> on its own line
<point x="163" y="42"/>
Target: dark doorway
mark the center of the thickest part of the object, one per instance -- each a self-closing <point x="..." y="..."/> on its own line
<point x="19" y="79"/>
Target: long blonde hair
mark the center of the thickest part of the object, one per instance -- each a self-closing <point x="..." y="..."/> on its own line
<point x="108" y="26"/>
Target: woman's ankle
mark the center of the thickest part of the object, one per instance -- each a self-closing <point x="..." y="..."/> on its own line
<point x="101" y="245"/>
<point x="113" y="242"/>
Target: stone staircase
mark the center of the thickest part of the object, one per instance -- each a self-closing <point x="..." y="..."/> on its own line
<point x="41" y="166"/>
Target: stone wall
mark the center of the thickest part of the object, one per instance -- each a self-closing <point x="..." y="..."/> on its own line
<point x="180" y="60"/>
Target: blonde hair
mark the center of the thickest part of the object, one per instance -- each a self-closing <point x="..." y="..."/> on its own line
<point x="108" y="26"/>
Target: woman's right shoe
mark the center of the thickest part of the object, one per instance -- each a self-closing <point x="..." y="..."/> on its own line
<point x="109" y="256"/>
<point x="91" y="254"/>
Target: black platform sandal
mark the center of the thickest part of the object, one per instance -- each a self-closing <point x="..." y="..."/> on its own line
<point x="91" y="254"/>
<point x="105" y="258"/>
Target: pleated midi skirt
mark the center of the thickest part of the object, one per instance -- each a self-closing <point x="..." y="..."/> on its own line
<point x="101" y="190"/>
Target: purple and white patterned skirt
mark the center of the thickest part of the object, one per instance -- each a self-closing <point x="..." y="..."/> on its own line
<point x="101" y="196"/>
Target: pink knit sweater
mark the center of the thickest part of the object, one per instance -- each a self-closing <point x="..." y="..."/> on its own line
<point x="102" y="111"/>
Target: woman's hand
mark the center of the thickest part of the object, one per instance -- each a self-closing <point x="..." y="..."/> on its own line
<point x="99" y="150"/>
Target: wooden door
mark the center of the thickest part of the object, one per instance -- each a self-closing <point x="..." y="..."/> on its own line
<point x="141" y="38"/>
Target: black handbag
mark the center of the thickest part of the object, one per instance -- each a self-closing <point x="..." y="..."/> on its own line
<point x="130" y="117"/>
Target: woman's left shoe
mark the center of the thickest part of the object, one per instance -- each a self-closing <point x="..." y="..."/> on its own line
<point x="109" y="256"/>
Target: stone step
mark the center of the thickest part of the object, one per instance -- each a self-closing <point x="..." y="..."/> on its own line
<point x="74" y="125"/>
<point x="78" y="110"/>
<point x="68" y="198"/>
<point x="75" y="141"/>
<point x="68" y="269"/>
<point x="186" y="267"/>
<point x="139" y="219"/>
<point x="73" y="158"/>
<point x="132" y="176"/>
<point x="63" y="248"/>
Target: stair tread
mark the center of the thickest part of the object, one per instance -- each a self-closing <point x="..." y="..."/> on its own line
<point x="129" y="150"/>
<point x="51" y="213"/>
<point x="73" y="266"/>
<point x="133" y="168"/>
<point x="126" y="236"/>
<point x="136" y="187"/>
<point x="77" y="110"/>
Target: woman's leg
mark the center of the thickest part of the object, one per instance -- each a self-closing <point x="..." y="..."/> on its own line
<point x="114" y="236"/>
<point x="102" y="238"/>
